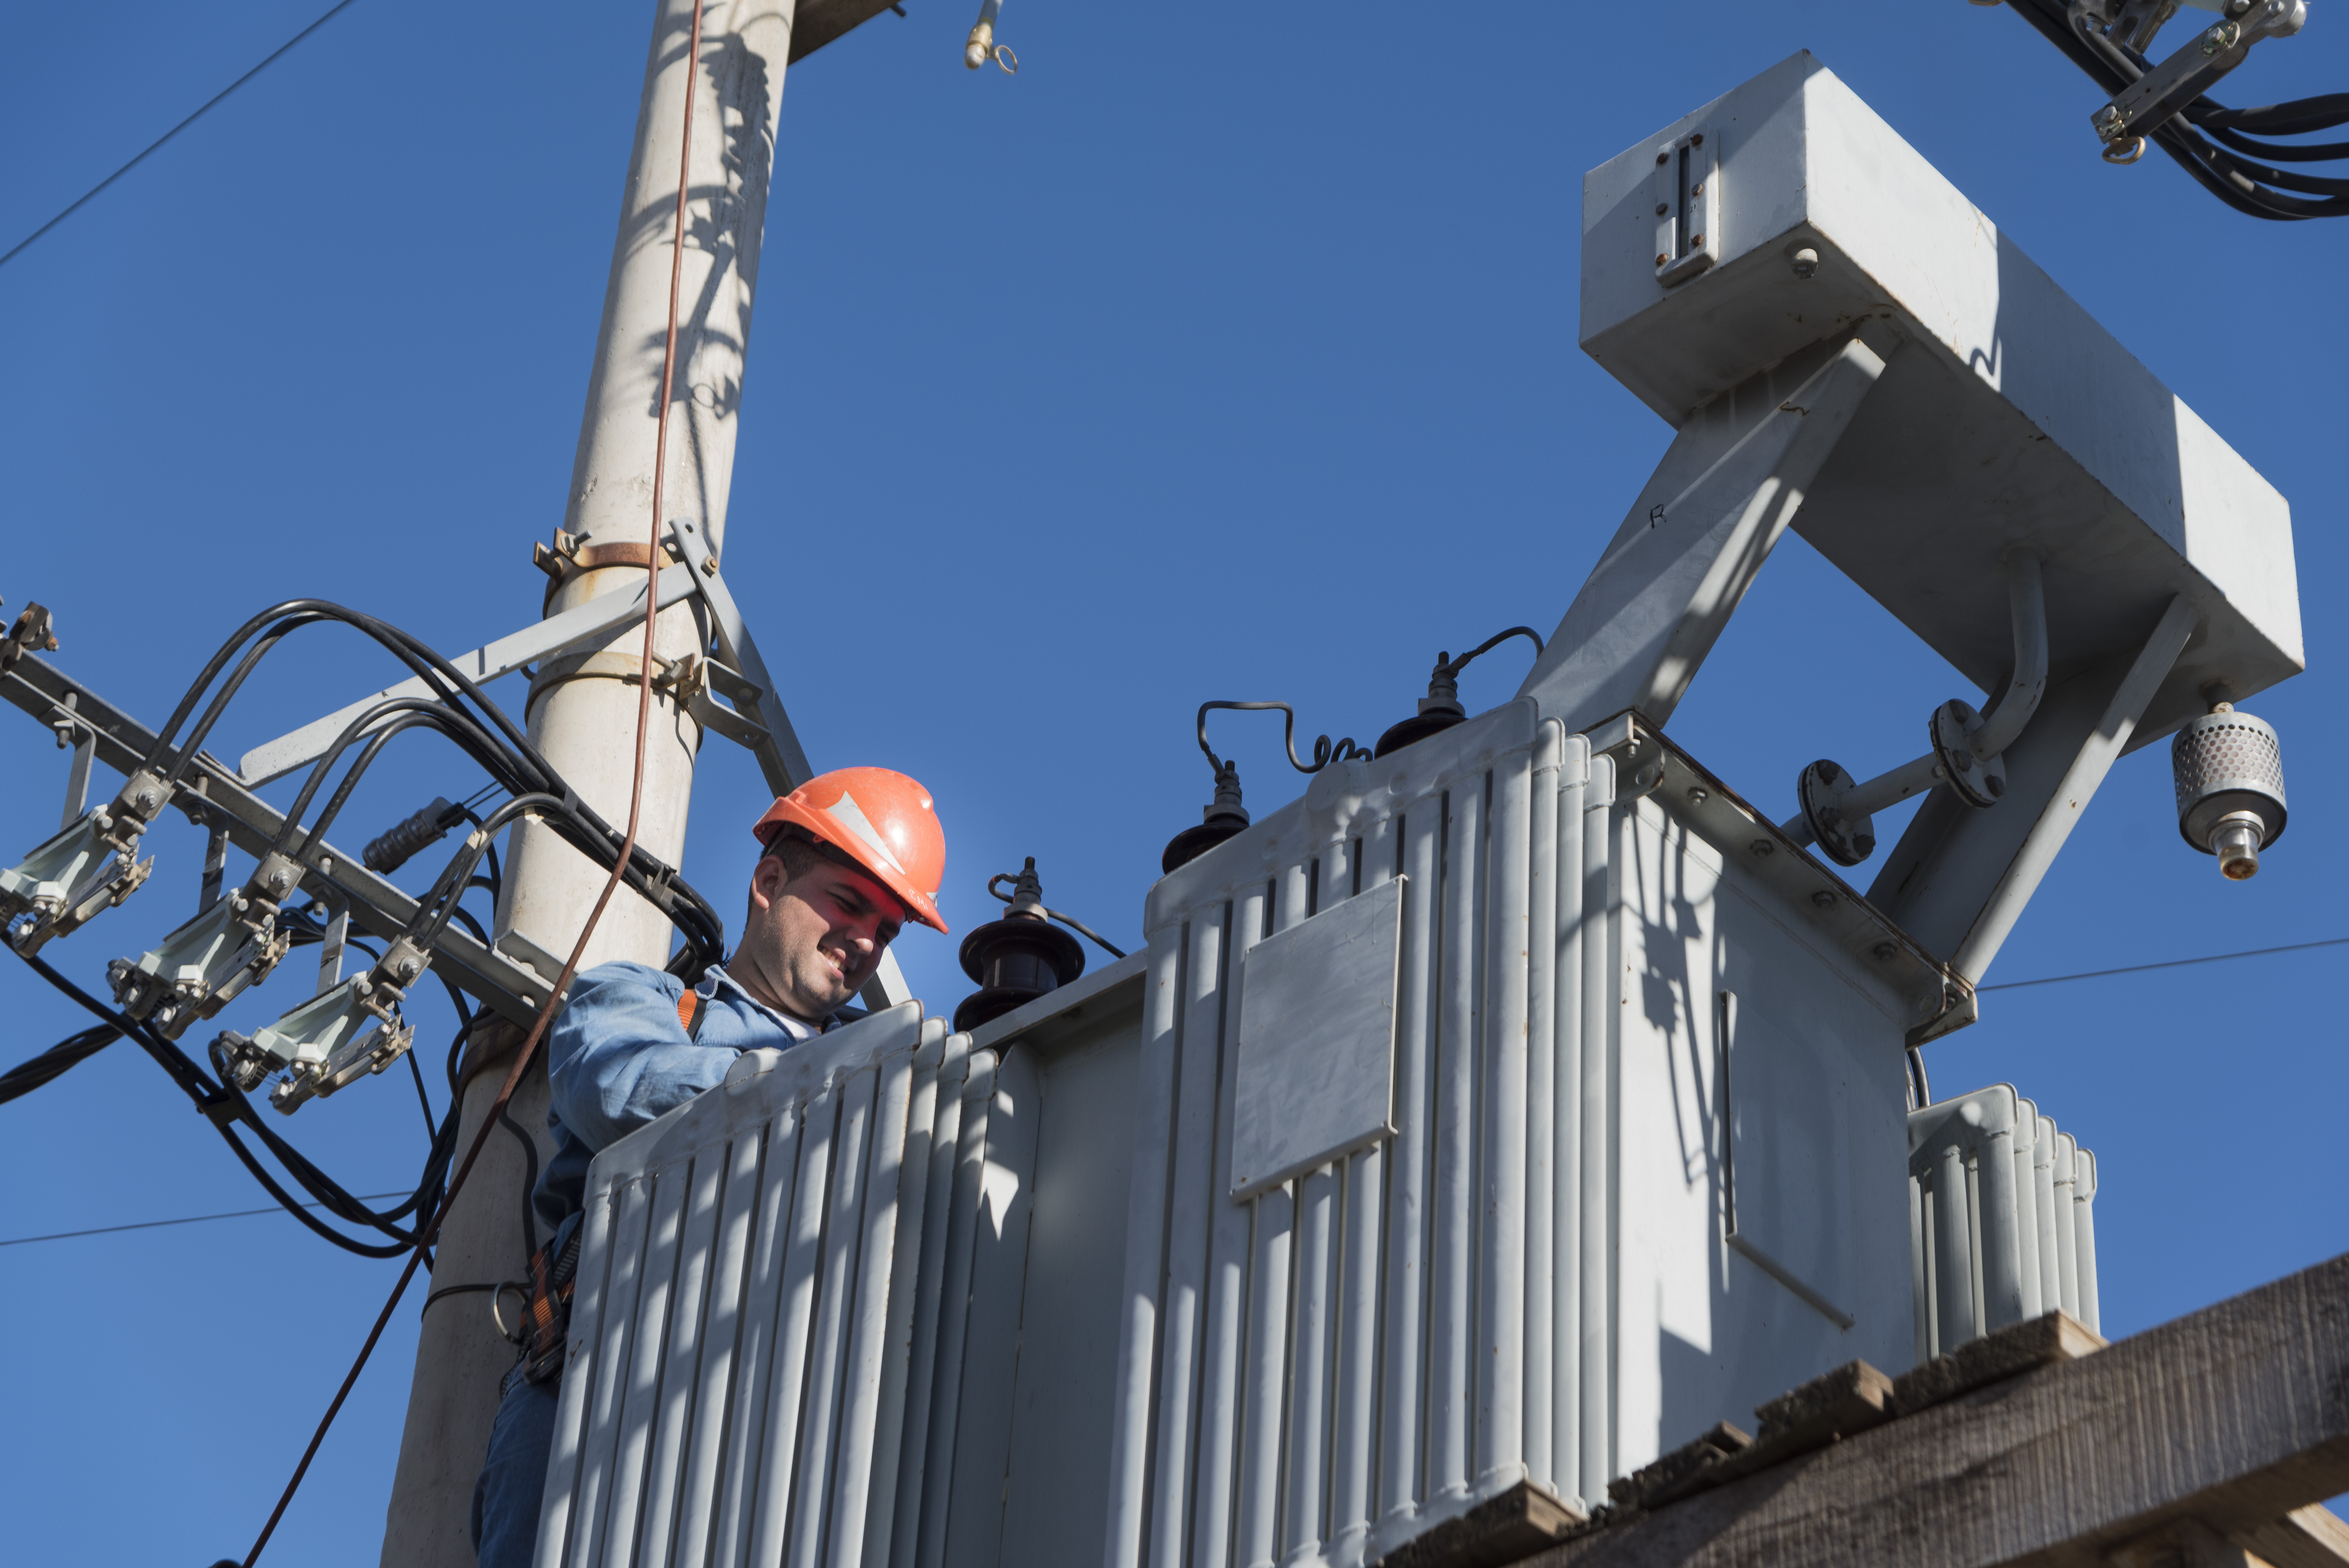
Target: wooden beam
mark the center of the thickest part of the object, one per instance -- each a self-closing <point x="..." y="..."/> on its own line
<point x="1500" y="1529"/>
<point x="2235" y="1416"/>
<point x="2311" y="1537"/>
<point x="819" y="22"/>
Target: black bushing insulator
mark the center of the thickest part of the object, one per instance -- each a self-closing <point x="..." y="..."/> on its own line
<point x="1224" y="817"/>
<point x="1015" y="960"/>
<point x="1418" y="726"/>
<point x="1191" y="842"/>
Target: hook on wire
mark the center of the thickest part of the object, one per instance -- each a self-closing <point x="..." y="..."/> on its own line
<point x="1324" y="752"/>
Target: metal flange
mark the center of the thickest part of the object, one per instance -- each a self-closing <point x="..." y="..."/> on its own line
<point x="1845" y="836"/>
<point x="1979" y="781"/>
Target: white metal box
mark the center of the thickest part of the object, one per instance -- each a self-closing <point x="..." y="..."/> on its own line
<point x="2005" y="415"/>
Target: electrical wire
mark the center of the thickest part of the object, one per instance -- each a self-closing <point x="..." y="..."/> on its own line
<point x="224" y="1106"/>
<point x="1070" y="921"/>
<point x="209" y="105"/>
<point x="621" y="862"/>
<point x="55" y="1062"/>
<point x="157" y="1225"/>
<point x="2167" y="964"/>
<point x="1920" y="1090"/>
<point x="513" y="764"/>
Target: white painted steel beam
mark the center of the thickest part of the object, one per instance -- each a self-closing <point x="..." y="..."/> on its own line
<point x="1694" y="543"/>
<point x="2062" y="811"/>
<point x="1959" y="879"/>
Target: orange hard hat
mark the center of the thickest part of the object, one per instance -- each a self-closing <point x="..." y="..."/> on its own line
<point x="879" y="818"/>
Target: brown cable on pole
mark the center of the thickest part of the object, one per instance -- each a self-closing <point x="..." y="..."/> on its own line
<point x="629" y="844"/>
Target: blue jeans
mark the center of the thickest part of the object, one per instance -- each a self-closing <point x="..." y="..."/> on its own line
<point x="514" y="1476"/>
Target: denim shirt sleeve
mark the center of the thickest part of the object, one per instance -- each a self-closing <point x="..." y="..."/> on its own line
<point x="618" y="1059"/>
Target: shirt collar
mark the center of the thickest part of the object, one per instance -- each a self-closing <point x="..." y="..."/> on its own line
<point x="715" y="979"/>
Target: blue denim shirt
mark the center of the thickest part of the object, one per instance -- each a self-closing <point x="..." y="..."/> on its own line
<point x="618" y="1058"/>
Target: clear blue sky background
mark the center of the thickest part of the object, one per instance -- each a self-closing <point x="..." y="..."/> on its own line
<point x="1225" y="352"/>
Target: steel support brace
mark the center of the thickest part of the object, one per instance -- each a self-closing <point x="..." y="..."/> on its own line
<point x="1959" y="878"/>
<point x="781" y="760"/>
<point x="1730" y="484"/>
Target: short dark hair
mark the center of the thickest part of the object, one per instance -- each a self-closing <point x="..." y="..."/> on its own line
<point x="799" y="853"/>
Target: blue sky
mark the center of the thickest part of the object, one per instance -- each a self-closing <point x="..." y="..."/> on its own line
<point x="1219" y="353"/>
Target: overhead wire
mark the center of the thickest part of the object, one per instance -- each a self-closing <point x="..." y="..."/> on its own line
<point x="1920" y="1090"/>
<point x="209" y="105"/>
<point x="158" y="1225"/>
<point x="529" y="1047"/>
<point x="2167" y="964"/>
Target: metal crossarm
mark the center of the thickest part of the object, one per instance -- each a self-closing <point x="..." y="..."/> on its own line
<point x="591" y="621"/>
<point x="219" y="799"/>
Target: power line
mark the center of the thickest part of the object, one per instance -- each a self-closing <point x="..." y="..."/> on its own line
<point x="2169" y="963"/>
<point x="209" y="105"/>
<point x="190" y="1220"/>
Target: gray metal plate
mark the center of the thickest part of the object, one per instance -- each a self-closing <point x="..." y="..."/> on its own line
<point x="1316" y="1069"/>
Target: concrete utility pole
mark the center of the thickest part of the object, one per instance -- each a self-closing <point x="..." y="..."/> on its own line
<point x="583" y="706"/>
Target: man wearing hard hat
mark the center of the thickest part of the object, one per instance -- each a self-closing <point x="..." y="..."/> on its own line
<point x="850" y="857"/>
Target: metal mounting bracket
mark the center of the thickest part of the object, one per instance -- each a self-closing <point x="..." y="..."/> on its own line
<point x="781" y="760"/>
<point x="591" y="621"/>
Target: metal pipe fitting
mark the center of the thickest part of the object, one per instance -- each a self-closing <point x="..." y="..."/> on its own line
<point x="2026" y="602"/>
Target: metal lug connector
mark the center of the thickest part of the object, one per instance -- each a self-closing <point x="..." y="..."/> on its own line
<point x="273" y="882"/>
<point x="383" y="987"/>
<point x="141" y="801"/>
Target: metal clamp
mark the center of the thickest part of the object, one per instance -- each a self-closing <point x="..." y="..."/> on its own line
<point x="2157" y="96"/>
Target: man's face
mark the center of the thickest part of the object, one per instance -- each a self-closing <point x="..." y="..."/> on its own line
<point x="813" y="941"/>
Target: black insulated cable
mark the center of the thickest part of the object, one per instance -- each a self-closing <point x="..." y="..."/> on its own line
<point x="223" y="1106"/>
<point x="2257" y="190"/>
<point x="56" y="1061"/>
<point x="507" y="755"/>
